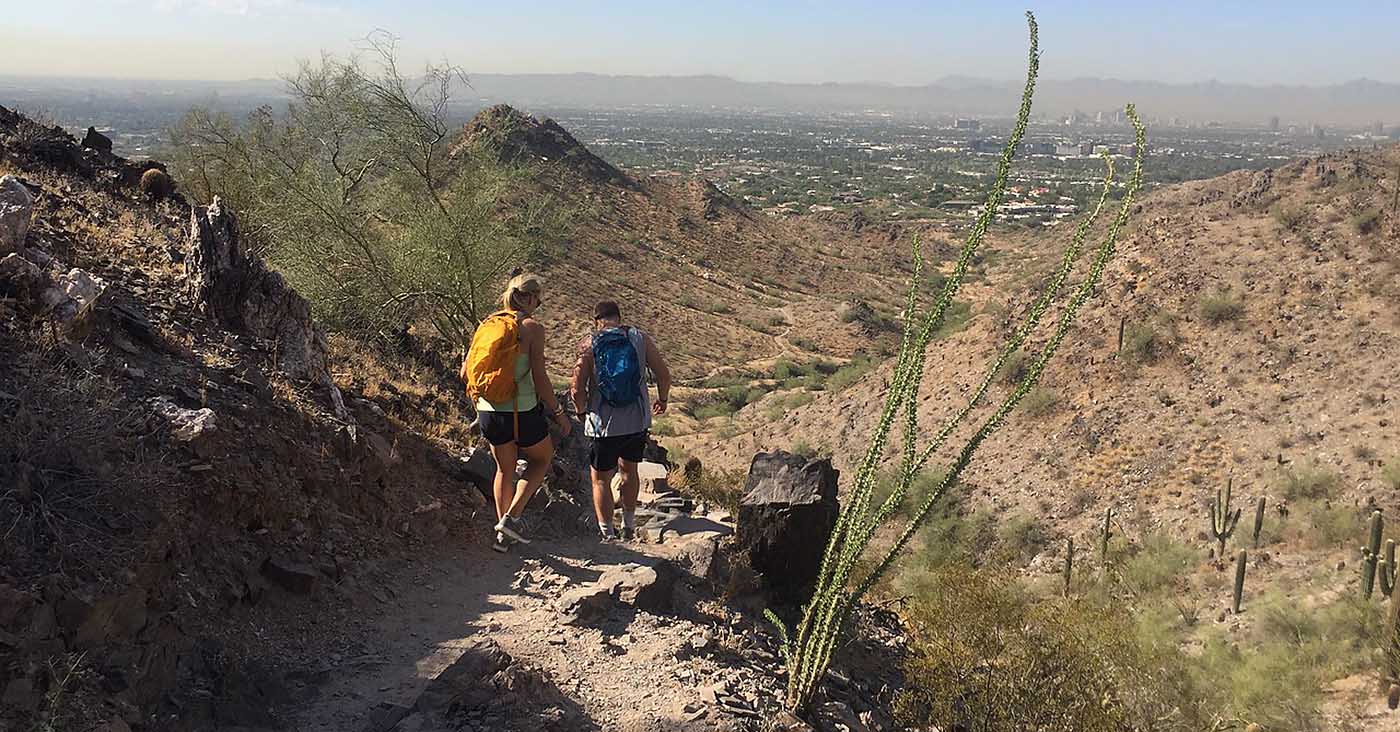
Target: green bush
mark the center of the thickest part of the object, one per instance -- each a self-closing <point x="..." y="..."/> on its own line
<point x="1367" y="221"/>
<point x="781" y="405"/>
<point x="1390" y="474"/>
<point x="1148" y="343"/>
<point x="984" y="658"/>
<point x="1322" y="524"/>
<point x="1221" y="306"/>
<point x="1041" y="401"/>
<point x="353" y="196"/>
<point x="1014" y="370"/>
<point x="1290" y="217"/>
<point x="723" y="488"/>
<point x="1020" y="538"/>
<point x="1159" y="563"/>
<point x="1308" y="482"/>
<point x="849" y="374"/>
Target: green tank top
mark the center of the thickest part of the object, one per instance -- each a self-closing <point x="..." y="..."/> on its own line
<point x="525" y="386"/>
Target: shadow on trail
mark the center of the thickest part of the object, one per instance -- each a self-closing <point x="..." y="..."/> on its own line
<point x="443" y="660"/>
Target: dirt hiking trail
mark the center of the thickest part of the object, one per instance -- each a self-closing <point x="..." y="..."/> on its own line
<point x="628" y="670"/>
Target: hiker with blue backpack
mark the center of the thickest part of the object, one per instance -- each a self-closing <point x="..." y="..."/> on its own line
<point x="609" y="392"/>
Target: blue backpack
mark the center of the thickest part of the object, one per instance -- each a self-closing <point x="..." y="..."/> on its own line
<point x="617" y="366"/>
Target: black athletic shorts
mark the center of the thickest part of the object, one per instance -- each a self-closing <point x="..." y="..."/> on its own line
<point x="499" y="427"/>
<point x="606" y="451"/>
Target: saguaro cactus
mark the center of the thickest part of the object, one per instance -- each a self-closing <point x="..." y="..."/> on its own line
<point x="1239" y="580"/>
<point x="1370" y="556"/>
<point x="1385" y="569"/>
<point x="1259" y="519"/>
<point x="1069" y="563"/>
<point x="1107" y="533"/>
<point x="1222" y="520"/>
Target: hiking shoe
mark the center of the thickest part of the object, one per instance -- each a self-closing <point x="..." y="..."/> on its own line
<point x="609" y="535"/>
<point x="513" y="528"/>
<point x="629" y="534"/>
<point x="500" y="543"/>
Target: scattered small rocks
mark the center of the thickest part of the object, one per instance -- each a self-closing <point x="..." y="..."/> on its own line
<point x="186" y="425"/>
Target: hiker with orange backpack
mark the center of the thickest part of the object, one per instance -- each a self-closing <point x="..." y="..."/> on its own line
<point x="505" y="373"/>
<point x="609" y="391"/>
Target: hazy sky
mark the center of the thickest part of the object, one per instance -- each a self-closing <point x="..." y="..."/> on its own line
<point x="1285" y="41"/>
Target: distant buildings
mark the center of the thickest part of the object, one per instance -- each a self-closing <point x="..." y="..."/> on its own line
<point x="1273" y="124"/>
<point x="1378" y="129"/>
<point x="971" y="125"/>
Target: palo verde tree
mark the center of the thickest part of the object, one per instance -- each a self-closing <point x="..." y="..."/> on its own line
<point x="359" y="192"/>
<point x="825" y="619"/>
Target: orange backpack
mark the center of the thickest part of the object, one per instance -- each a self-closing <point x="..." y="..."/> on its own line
<point x="489" y="370"/>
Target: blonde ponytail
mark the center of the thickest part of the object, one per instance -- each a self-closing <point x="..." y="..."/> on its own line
<point x="516" y="290"/>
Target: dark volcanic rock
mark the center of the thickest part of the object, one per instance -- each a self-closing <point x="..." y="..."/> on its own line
<point x="245" y="295"/>
<point x="785" y="519"/>
<point x="95" y="140"/>
<point x="486" y="682"/>
<point x="291" y="576"/>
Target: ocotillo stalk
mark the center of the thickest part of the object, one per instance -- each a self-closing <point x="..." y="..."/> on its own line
<point x="1222" y="520"/>
<point x="1259" y="519"/>
<point x="1386" y="570"/>
<point x="1370" y="555"/>
<point x="1107" y="532"/>
<point x="1239" y="580"/>
<point x="1069" y="563"/>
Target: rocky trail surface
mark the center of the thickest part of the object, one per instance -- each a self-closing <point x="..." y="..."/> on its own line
<point x="565" y="634"/>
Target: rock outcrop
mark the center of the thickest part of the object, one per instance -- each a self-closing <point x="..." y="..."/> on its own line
<point x="47" y="289"/>
<point x="514" y="137"/>
<point x="244" y="295"/>
<point x="786" y="516"/>
<point x="16" y="211"/>
<point x="95" y="140"/>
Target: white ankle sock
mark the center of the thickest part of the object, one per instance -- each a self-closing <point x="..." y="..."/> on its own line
<point x="606" y="528"/>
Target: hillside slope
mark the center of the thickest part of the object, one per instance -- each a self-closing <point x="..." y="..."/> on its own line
<point x="177" y="491"/>
<point x="1262" y="326"/>
<point x="720" y="285"/>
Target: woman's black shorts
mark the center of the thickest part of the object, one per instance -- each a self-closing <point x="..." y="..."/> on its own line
<point x="499" y="427"/>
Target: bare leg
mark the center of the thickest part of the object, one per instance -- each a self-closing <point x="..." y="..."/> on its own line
<point x="631" y="486"/>
<point x="537" y="459"/>
<point x="602" y="495"/>
<point x="504" y="485"/>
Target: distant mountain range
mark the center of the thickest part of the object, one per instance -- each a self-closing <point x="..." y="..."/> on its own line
<point x="1355" y="103"/>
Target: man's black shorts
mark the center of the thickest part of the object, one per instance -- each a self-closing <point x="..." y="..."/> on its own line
<point x="499" y="427"/>
<point x="606" y="451"/>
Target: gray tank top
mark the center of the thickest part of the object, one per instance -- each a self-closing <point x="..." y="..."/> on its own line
<point x="607" y="420"/>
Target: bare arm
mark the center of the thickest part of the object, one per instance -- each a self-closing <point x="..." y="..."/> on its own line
<point x="657" y="363"/>
<point x="583" y="379"/>
<point x="534" y="335"/>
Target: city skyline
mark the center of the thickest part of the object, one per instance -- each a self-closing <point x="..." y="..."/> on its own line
<point x="899" y="43"/>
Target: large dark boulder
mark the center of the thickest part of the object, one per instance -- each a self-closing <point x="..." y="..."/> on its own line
<point x="95" y="140"/>
<point x="785" y="520"/>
